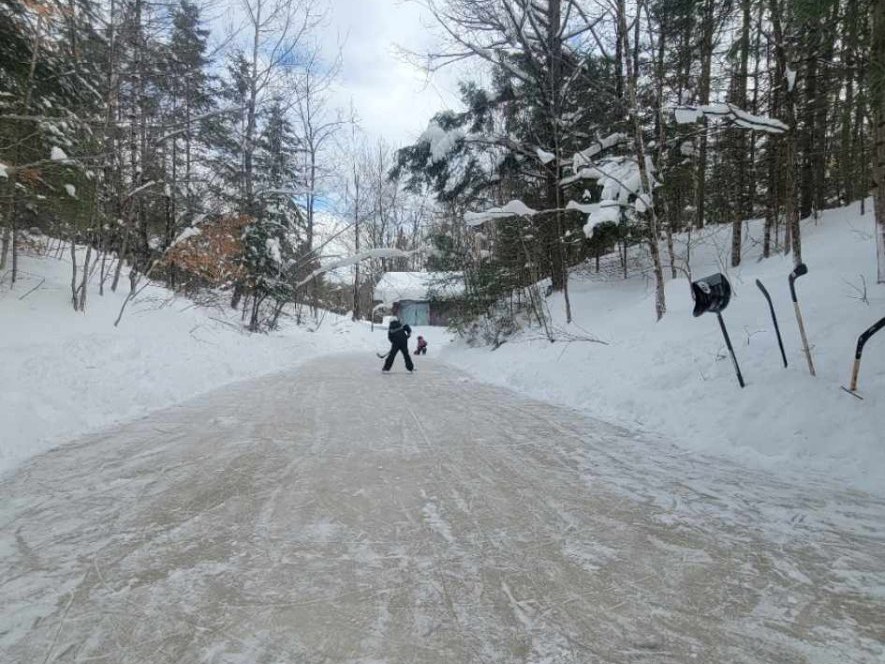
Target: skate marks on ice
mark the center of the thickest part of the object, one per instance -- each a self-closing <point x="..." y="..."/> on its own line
<point x="338" y="515"/>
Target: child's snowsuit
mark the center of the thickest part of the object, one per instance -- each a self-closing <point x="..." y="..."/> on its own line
<point x="422" y="347"/>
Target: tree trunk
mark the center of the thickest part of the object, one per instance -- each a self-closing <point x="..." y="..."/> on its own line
<point x="740" y="138"/>
<point x="660" y="65"/>
<point x="645" y="178"/>
<point x="236" y="296"/>
<point x="74" y="300"/>
<point x="772" y="148"/>
<point x="808" y="139"/>
<point x="877" y="101"/>
<point x="356" y="236"/>
<point x="846" y="134"/>
<point x="704" y="93"/>
<point x="554" y="231"/>
<point x="80" y="305"/>
<point x="14" y="247"/>
<point x="124" y="246"/>
<point x="251" y="116"/>
<point x="4" y="247"/>
<point x="792" y="241"/>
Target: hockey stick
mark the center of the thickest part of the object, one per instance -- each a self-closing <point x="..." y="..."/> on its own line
<point x="855" y="369"/>
<point x="780" y="342"/>
<point x="734" y="361"/>
<point x="795" y="274"/>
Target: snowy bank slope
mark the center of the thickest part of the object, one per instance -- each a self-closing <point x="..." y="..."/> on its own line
<point x="675" y="378"/>
<point x="63" y="373"/>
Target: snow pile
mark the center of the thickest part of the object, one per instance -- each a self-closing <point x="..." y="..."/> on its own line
<point x="396" y="286"/>
<point x="621" y="180"/>
<point x="675" y="377"/>
<point x="57" y="154"/>
<point x="600" y="213"/>
<point x="619" y="177"/>
<point x="66" y="373"/>
<point x="273" y="249"/>
<point x="544" y="156"/>
<point x="441" y="142"/>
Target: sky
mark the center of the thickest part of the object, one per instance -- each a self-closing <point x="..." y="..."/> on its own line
<point x="392" y="98"/>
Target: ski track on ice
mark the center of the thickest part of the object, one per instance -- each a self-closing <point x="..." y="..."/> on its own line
<point x="332" y="514"/>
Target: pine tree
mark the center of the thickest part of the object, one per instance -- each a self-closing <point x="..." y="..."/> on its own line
<point x="46" y="142"/>
<point x="188" y="86"/>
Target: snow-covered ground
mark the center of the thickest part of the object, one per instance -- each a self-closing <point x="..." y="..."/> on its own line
<point x="674" y="378"/>
<point x="465" y="524"/>
<point x="334" y="514"/>
<point x="64" y="373"/>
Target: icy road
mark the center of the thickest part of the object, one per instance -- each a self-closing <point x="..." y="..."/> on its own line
<point x="335" y="514"/>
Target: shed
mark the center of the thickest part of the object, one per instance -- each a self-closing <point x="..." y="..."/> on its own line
<point x="420" y="298"/>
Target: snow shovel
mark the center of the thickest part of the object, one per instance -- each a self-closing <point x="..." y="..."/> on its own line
<point x="795" y="274"/>
<point x="711" y="295"/>
<point x="780" y="342"/>
<point x="855" y="369"/>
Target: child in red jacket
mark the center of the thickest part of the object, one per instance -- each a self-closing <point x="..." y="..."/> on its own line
<point x="422" y="347"/>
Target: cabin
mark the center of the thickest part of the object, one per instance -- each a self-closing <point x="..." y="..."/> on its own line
<point x="419" y="298"/>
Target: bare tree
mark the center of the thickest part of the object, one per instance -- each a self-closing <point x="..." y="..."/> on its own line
<point x="318" y="125"/>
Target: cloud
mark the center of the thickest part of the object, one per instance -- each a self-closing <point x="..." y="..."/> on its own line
<point x="392" y="98"/>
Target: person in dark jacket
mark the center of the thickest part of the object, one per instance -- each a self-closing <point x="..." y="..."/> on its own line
<point x="398" y="335"/>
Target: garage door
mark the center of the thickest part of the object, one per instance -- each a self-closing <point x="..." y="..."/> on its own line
<point x="415" y="313"/>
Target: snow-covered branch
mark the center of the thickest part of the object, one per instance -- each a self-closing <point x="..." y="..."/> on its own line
<point x="585" y="156"/>
<point x="741" y="118"/>
<point x="382" y="252"/>
<point x="515" y="208"/>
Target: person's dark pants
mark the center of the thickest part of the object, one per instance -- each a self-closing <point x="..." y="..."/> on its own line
<point x="421" y="351"/>
<point x="398" y="348"/>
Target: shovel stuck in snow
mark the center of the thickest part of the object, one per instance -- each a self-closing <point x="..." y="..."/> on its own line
<point x="780" y="342"/>
<point x="711" y="295"/>
<point x="795" y="274"/>
<point x="855" y="369"/>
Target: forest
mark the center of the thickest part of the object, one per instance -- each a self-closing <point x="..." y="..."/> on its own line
<point x="214" y="162"/>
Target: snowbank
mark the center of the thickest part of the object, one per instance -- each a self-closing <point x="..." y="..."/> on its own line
<point x="64" y="373"/>
<point x="674" y="378"/>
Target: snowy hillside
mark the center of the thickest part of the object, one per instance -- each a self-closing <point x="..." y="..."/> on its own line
<point x="675" y="379"/>
<point x="65" y="373"/>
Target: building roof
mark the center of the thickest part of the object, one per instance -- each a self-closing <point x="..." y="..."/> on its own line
<point x="396" y="286"/>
